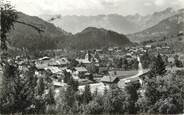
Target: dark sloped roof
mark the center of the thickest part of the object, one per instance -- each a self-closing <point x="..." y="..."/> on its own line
<point x="109" y="78"/>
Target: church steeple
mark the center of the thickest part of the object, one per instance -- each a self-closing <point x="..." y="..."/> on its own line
<point x="88" y="56"/>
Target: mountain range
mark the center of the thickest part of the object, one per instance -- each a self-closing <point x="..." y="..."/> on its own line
<point x="93" y="38"/>
<point x="115" y="22"/>
<point x="26" y="37"/>
<point x="166" y="23"/>
<point x="169" y="28"/>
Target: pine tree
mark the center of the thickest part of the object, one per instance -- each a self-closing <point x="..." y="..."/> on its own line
<point x="73" y="83"/>
<point x="114" y="101"/>
<point x="105" y="90"/>
<point x="8" y="88"/>
<point x="87" y="96"/>
<point x="50" y="97"/>
<point x="158" y="66"/>
<point x="69" y="96"/>
<point x="132" y="97"/>
<point x="125" y="62"/>
<point x="40" y="88"/>
<point x="67" y="76"/>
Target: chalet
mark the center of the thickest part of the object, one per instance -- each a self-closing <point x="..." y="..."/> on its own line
<point x="99" y="50"/>
<point x="166" y="47"/>
<point x="110" y="49"/>
<point x="84" y="61"/>
<point x="128" y="55"/>
<point x="59" y="62"/>
<point x="41" y="67"/>
<point x="158" y="48"/>
<point x="171" y="60"/>
<point x="54" y="70"/>
<point x="81" y="71"/>
<point x="53" y="63"/>
<point x="63" y="61"/>
<point x="103" y="70"/>
<point x="148" y="46"/>
<point x="57" y="84"/>
<point x="44" y="58"/>
<point x="132" y="80"/>
<point x="109" y="79"/>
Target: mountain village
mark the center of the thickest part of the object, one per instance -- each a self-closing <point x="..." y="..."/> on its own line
<point x="46" y="70"/>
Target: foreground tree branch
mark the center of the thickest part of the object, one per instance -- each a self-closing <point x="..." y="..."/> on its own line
<point x="30" y="25"/>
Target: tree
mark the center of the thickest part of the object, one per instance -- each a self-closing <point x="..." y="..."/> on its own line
<point x="17" y="88"/>
<point x="40" y="88"/>
<point x="8" y="16"/>
<point x="92" y="68"/>
<point x="50" y="97"/>
<point x="87" y="96"/>
<point x="120" y="63"/>
<point x="20" y="94"/>
<point x="114" y="101"/>
<point x="178" y="63"/>
<point x="70" y="81"/>
<point x="73" y="63"/>
<point x="165" y="106"/>
<point x="8" y="87"/>
<point x="73" y="83"/>
<point x="132" y="97"/>
<point x="68" y="100"/>
<point x="49" y="102"/>
<point x="67" y="76"/>
<point x="163" y="94"/>
<point x="146" y="60"/>
<point x="93" y="107"/>
<point x="125" y="64"/>
<point x="158" y="66"/>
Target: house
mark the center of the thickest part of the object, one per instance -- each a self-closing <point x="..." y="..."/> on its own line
<point x="103" y="70"/>
<point x="63" y="61"/>
<point x="81" y="71"/>
<point x="110" y="49"/>
<point x="128" y="55"/>
<point x="109" y="79"/>
<point x="41" y="67"/>
<point x="44" y="58"/>
<point x="83" y="61"/>
<point x="99" y="50"/>
<point x="181" y="57"/>
<point x="54" y="70"/>
<point x="132" y="80"/>
<point x="57" y="84"/>
<point x="171" y="60"/>
<point x="148" y="46"/>
<point x="59" y="62"/>
<point x="41" y="62"/>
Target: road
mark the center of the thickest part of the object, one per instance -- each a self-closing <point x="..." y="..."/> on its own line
<point x="122" y="82"/>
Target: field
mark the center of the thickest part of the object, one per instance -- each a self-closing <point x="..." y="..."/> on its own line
<point x="125" y="74"/>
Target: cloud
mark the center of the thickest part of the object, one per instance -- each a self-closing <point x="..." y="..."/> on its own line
<point x="160" y="2"/>
<point x="147" y="4"/>
<point x="94" y="7"/>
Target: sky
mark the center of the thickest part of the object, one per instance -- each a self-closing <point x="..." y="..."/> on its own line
<point x="94" y="7"/>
